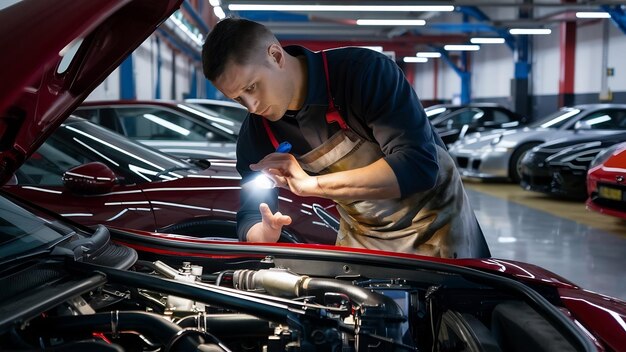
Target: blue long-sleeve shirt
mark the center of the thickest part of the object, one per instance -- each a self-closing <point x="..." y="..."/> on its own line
<point x="375" y="100"/>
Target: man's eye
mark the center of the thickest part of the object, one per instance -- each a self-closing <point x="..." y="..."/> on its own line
<point x="251" y="87"/>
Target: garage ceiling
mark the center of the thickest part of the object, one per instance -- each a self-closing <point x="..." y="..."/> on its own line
<point x="457" y="24"/>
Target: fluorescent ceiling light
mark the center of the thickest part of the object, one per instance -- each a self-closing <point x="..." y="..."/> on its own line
<point x="195" y="38"/>
<point x="215" y="2"/>
<point x="339" y="8"/>
<point x="487" y="40"/>
<point x="219" y="13"/>
<point x="461" y="47"/>
<point x="390" y="22"/>
<point x="415" y="59"/>
<point x="593" y="15"/>
<point x="429" y="54"/>
<point x="530" y="31"/>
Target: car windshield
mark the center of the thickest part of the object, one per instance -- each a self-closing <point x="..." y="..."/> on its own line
<point x="228" y="122"/>
<point x="557" y="119"/>
<point x="79" y="142"/>
<point x="436" y="111"/>
<point x="230" y="112"/>
<point x="22" y="231"/>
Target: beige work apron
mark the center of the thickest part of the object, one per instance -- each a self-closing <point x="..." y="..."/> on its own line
<point x="438" y="222"/>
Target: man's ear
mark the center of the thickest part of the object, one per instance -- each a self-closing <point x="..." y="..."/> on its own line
<point x="276" y="54"/>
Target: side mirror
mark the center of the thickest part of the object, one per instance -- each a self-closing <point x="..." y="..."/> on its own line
<point x="90" y="178"/>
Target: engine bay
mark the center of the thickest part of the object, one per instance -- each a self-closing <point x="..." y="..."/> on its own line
<point x="268" y="304"/>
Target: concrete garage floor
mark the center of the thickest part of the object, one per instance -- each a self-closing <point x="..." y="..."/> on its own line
<point x="587" y="248"/>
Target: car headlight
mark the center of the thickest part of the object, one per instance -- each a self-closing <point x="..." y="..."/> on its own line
<point x="604" y="155"/>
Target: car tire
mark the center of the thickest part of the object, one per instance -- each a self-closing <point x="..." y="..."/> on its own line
<point x="515" y="173"/>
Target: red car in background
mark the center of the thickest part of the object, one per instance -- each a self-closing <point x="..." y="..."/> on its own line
<point x="606" y="182"/>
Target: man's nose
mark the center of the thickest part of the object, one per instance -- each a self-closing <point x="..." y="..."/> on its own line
<point x="251" y="104"/>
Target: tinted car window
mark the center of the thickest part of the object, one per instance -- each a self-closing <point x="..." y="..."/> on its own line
<point x="500" y="117"/>
<point x="47" y="165"/>
<point x="151" y="123"/>
<point x="609" y="119"/>
<point x="463" y="117"/>
<point x="230" y="112"/>
<point x="74" y="144"/>
<point x="557" y="119"/>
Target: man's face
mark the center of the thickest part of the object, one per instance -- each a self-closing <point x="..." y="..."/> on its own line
<point x="262" y="86"/>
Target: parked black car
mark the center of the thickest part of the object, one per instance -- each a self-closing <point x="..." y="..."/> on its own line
<point x="453" y="122"/>
<point x="560" y="167"/>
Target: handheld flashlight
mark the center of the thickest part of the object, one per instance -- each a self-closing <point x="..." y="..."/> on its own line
<point x="284" y="147"/>
<point x="264" y="182"/>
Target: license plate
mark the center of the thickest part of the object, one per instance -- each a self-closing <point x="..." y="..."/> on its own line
<point x="610" y="193"/>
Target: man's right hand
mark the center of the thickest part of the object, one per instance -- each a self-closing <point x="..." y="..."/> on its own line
<point x="268" y="230"/>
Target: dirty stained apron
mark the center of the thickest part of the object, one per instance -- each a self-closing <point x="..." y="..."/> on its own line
<point x="438" y="222"/>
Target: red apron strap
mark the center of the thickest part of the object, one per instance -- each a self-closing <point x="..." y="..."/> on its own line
<point x="270" y="133"/>
<point x="332" y="115"/>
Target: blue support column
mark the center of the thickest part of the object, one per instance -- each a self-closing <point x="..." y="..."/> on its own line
<point x="466" y="79"/>
<point x="157" y="85"/>
<point x="463" y="72"/>
<point x="519" y="83"/>
<point x="127" y="79"/>
<point x="618" y="15"/>
<point x="210" y="92"/>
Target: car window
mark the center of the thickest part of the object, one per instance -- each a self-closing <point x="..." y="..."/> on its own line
<point x="462" y="117"/>
<point x="557" y="119"/>
<point x="500" y="117"/>
<point x="47" y="165"/>
<point x="148" y="123"/>
<point x="608" y="119"/>
<point x="75" y="144"/>
<point x="230" y="112"/>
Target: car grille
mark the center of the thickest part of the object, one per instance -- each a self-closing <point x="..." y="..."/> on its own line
<point x="462" y="161"/>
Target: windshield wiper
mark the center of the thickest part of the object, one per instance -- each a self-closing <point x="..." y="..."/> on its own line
<point x="173" y="168"/>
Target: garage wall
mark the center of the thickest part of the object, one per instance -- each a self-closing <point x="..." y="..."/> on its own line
<point x="145" y="69"/>
<point x="492" y="69"/>
<point x="145" y="74"/>
<point x="109" y="89"/>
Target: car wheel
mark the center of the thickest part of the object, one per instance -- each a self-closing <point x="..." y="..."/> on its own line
<point x="515" y="164"/>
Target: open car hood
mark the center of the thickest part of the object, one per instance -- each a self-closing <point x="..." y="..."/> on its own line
<point x="54" y="54"/>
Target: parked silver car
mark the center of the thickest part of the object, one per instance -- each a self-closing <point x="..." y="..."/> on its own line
<point x="498" y="154"/>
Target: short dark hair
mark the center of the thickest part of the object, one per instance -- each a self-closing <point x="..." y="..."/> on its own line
<point x="232" y="39"/>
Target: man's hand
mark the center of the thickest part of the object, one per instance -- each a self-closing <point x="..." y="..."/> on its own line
<point x="268" y="230"/>
<point x="284" y="170"/>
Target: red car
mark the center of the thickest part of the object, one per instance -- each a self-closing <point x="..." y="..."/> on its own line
<point x="66" y="287"/>
<point x="145" y="189"/>
<point x="606" y="182"/>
